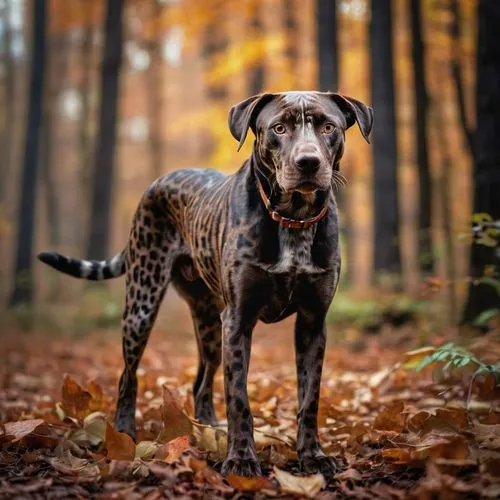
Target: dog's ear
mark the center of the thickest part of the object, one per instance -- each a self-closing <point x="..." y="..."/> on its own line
<point x="355" y="112"/>
<point x="244" y="115"/>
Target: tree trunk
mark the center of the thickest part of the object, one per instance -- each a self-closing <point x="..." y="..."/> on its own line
<point x="387" y="256"/>
<point x="456" y="73"/>
<point x="257" y="73"/>
<point x="102" y="181"/>
<point x="8" y="105"/>
<point x="155" y="98"/>
<point x="483" y="296"/>
<point x="291" y="28"/>
<point x="326" y="12"/>
<point x="421" y="104"/>
<point x="23" y="278"/>
<point x="55" y="70"/>
<point x="85" y="137"/>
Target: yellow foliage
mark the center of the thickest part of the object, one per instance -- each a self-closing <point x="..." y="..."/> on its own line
<point x="239" y="57"/>
<point x="213" y="119"/>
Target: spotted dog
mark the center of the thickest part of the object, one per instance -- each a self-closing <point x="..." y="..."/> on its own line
<point x="260" y="244"/>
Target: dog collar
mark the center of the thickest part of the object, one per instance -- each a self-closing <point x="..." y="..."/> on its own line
<point x="288" y="222"/>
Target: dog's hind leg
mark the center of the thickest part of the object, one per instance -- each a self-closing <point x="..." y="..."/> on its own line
<point x="152" y="250"/>
<point x="207" y="326"/>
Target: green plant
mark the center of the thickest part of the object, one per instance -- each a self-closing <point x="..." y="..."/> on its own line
<point x="450" y="357"/>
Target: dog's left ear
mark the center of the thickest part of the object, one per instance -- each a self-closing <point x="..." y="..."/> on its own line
<point x="244" y="116"/>
<point x="355" y="112"/>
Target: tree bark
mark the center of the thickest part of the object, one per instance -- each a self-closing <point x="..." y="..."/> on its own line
<point x="155" y="98"/>
<point x="326" y="12"/>
<point x="421" y="103"/>
<point x="486" y="171"/>
<point x="387" y="256"/>
<point x="257" y="73"/>
<point x="456" y="73"/>
<point x="102" y="182"/>
<point x="8" y="105"/>
<point x="85" y="137"/>
<point x="291" y="28"/>
<point x="23" y="278"/>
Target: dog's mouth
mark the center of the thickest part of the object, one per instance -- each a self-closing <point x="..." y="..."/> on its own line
<point x="307" y="187"/>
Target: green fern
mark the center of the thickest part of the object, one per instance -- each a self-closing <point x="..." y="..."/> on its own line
<point x="452" y="357"/>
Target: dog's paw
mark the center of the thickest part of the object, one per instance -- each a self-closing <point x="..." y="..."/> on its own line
<point x="318" y="463"/>
<point x="241" y="467"/>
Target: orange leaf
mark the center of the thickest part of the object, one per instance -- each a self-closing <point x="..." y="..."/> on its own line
<point x="171" y="451"/>
<point x="250" y="483"/>
<point x="120" y="445"/>
<point x="391" y="418"/>
<point x="97" y="394"/>
<point x="175" y="422"/>
<point x="75" y="400"/>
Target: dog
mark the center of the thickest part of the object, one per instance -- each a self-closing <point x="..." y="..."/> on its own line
<point x="260" y="244"/>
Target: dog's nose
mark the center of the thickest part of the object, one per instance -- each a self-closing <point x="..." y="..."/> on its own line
<point x="307" y="163"/>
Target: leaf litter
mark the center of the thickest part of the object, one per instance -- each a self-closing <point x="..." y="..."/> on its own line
<point x="395" y="432"/>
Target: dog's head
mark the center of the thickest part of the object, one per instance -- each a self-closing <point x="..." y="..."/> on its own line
<point x="300" y="135"/>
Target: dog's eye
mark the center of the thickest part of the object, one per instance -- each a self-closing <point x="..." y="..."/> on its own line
<point x="280" y="129"/>
<point x="328" y="128"/>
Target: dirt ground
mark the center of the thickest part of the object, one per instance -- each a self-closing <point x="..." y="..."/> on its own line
<point x="395" y="432"/>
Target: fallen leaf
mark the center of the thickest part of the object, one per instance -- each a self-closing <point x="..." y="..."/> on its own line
<point x="391" y="418"/>
<point x="350" y="474"/>
<point x="308" y="486"/>
<point x="203" y="470"/>
<point x="171" y="451"/>
<point x="66" y="463"/>
<point x="146" y="449"/>
<point x="487" y="436"/>
<point x="175" y="422"/>
<point x="75" y="400"/>
<point x="23" y="428"/>
<point x="250" y="483"/>
<point x="119" y="445"/>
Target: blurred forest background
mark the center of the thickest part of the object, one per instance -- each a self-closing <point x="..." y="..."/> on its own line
<point x="100" y="97"/>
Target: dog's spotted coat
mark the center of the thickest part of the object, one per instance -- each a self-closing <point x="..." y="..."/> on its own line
<point x="213" y="239"/>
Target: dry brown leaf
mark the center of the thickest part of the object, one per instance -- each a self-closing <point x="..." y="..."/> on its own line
<point x="487" y="436"/>
<point x="203" y="471"/>
<point x="146" y="449"/>
<point x="308" y="486"/>
<point x="451" y="419"/>
<point x="172" y="451"/>
<point x="398" y="455"/>
<point x="250" y="483"/>
<point x="66" y="463"/>
<point x="23" y="428"/>
<point x="97" y="394"/>
<point x="119" y="445"/>
<point x="435" y="445"/>
<point x="175" y="422"/>
<point x="350" y="474"/>
<point x="75" y="400"/>
<point x="212" y="440"/>
<point x="391" y="418"/>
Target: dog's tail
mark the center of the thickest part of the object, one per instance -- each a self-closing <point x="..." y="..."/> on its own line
<point x="95" y="270"/>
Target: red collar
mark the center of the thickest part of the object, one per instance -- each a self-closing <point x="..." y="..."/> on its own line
<point x="287" y="222"/>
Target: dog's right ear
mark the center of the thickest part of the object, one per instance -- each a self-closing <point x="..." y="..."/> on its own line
<point x="244" y="116"/>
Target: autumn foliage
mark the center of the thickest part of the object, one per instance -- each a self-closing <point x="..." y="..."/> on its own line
<point x="395" y="432"/>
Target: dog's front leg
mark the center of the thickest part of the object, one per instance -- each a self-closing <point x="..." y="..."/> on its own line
<point x="310" y="340"/>
<point x="237" y="335"/>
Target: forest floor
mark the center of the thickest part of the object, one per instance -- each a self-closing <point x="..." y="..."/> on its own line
<point x="395" y="432"/>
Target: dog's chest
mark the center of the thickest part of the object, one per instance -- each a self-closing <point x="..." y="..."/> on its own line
<point x="295" y="249"/>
